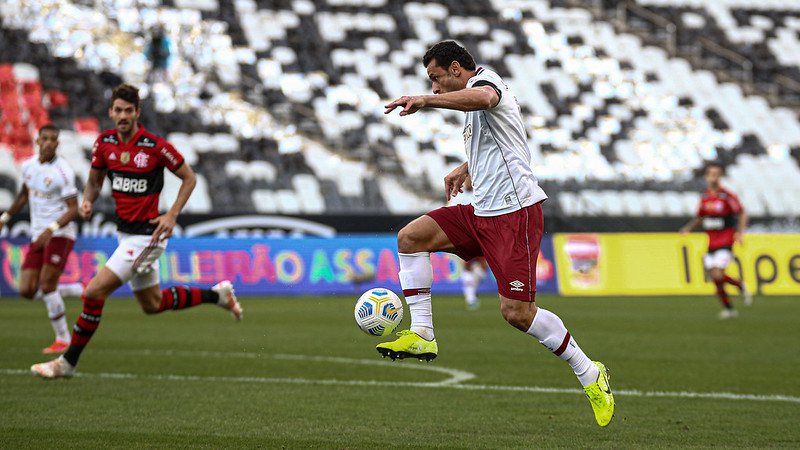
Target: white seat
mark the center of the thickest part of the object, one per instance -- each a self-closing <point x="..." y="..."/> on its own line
<point x="264" y="201"/>
<point x="287" y="202"/>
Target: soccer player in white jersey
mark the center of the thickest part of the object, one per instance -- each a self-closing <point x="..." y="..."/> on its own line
<point x="48" y="186"/>
<point x="473" y="271"/>
<point x="505" y="224"/>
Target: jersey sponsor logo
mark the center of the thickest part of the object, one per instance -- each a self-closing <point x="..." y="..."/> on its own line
<point x="713" y="223"/>
<point x="145" y="141"/>
<point x="110" y="139"/>
<point x="41" y="194"/>
<point x="129" y="185"/>
<point x="125" y="157"/>
<point x="517" y="285"/>
<point x="140" y="160"/>
<point x="170" y="157"/>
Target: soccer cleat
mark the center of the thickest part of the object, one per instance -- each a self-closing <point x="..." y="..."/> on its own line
<point x="747" y="296"/>
<point x="56" y="347"/>
<point x="409" y="345"/>
<point x="227" y="298"/>
<point x="474" y="306"/>
<point x="728" y="314"/>
<point x="57" y="368"/>
<point x="600" y="396"/>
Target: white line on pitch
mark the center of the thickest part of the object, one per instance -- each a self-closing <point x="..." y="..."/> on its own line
<point x="434" y="385"/>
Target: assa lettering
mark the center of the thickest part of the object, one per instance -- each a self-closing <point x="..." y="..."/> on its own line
<point x="129" y="185"/>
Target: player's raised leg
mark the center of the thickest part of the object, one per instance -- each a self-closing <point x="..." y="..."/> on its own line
<point x="154" y="300"/>
<point x="414" y="243"/>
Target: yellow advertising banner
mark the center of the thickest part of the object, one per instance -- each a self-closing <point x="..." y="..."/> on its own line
<point x="670" y="264"/>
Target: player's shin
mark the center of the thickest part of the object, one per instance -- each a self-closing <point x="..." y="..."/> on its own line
<point x="723" y="296"/>
<point x="84" y="328"/>
<point x="416" y="278"/>
<point x="57" y="314"/>
<point x="181" y="297"/>
<point x="551" y="332"/>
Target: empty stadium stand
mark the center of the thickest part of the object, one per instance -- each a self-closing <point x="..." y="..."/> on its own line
<point x="278" y="104"/>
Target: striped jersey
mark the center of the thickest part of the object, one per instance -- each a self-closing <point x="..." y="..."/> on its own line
<point x="136" y="172"/>
<point x="497" y="153"/>
<point x="49" y="185"/>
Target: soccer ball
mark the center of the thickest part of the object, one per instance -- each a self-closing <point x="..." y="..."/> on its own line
<point x="378" y="312"/>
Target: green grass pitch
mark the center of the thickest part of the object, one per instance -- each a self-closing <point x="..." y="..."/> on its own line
<point x="297" y="373"/>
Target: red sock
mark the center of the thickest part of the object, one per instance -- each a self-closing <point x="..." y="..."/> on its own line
<point x="732" y="281"/>
<point x="723" y="296"/>
<point x="85" y="327"/>
<point x="181" y="297"/>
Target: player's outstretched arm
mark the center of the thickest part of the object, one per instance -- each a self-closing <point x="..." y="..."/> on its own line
<point x="166" y="222"/>
<point x="19" y="202"/>
<point x="691" y="225"/>
<point x="92" y="190"/>
<point x="470" y="99"/>
<point x="743" y="221"/>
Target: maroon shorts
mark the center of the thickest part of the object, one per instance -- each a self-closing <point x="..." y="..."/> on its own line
<point x="54" y="253"/>
<point x="509" y="242"/>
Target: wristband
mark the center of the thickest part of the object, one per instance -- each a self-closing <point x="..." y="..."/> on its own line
<point x="53" y="227"/>
<point x="5" y="217"/>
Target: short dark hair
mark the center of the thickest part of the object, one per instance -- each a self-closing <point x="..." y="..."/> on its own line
<point x="714" y="164"/>
<point x="126" y="92"/>
<point x="49" y="127"/>
<point x="446" y="52"/>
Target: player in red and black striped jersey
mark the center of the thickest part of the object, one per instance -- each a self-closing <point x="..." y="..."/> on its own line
<point x="134" y="159"/>
<point x="717" y="213"/>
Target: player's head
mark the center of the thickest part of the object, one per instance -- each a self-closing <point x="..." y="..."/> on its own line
<point x="449" y="66"/>
<point x="124" y="109"/>
<point x="713" y="173"/>
<point x="47" y="141"/>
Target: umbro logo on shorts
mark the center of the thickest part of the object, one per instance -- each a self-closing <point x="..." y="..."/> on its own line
<point x="516" y="285"/>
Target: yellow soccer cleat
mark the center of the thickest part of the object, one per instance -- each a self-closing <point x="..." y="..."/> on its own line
<point x="409" y="345"/>
<point x="600" y="396"/>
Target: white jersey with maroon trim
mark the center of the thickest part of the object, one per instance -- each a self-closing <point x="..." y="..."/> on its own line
<point x="497" y="153"/>
<point x="136" y="172"/>
<point x="49" y="185"/>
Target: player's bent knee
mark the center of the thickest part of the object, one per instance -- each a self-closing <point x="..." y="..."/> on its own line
<point x="410" y="240"/>
<point x="150" y="308"/>
<point x="518" y="314"/>
<point x="28" y="292"/>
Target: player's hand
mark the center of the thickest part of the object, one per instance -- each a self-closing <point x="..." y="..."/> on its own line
<point x="85" y="211"/>
<point x="454" y="180"/>
<point x="164" y="225"/>
<point x="685" y="230"/>
<point x="739" y="237"/>
<point x="410" y="104"/>
<point x="42" y="240"/>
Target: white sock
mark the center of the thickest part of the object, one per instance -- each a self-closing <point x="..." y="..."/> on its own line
<point x="57" y="314"/>
<point x="469" y="285"/>
<point x="39" y="295"/>
<point x="551" y="333"/>
<point x="416" y="278"/>
<point x="70" y="289"/>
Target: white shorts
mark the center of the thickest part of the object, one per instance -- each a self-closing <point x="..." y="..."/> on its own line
<point x="718" y="259"/>
<point x="136" y="261"/>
